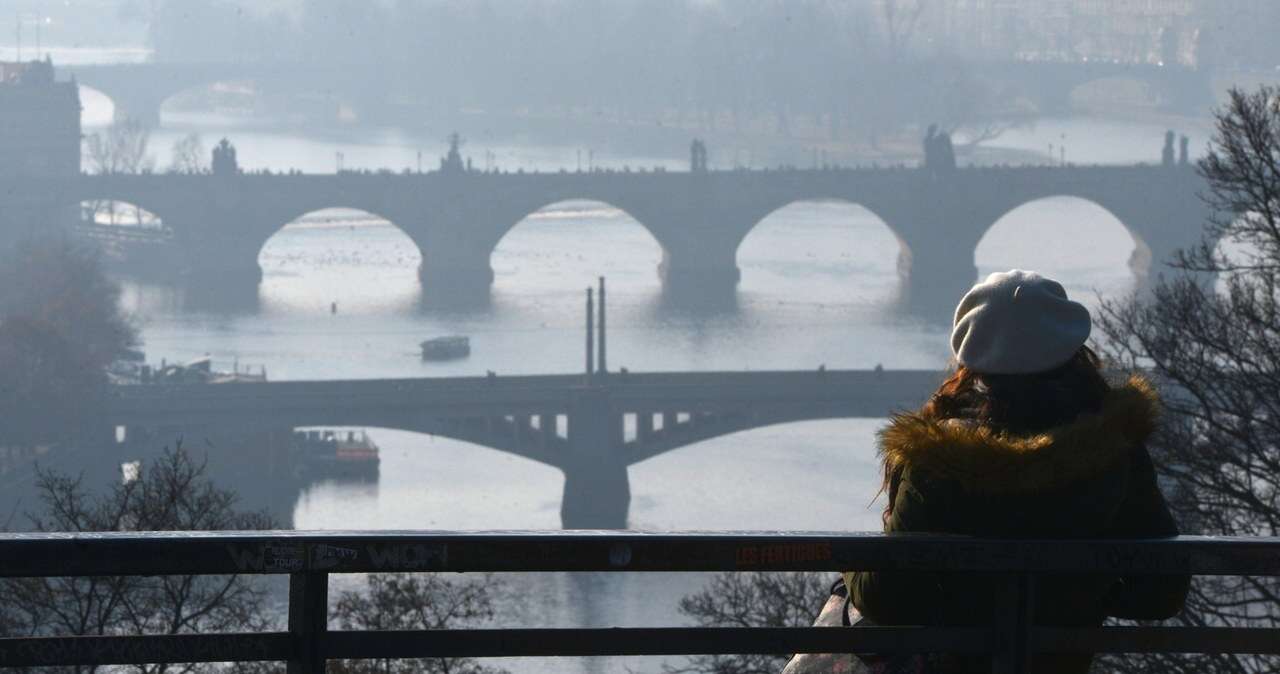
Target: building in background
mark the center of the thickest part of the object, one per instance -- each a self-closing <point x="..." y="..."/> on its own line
<point x="39" y="121"/>
<point x="1131" y="31"/>
<point x="39" y="138"/>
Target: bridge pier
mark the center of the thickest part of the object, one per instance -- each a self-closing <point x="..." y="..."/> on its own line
<point x="934" y="280"/>
<point x="700" y="275"/>
<point x="452" y="278"/>
<point x="455" y="266"/>
<point x="1163" y="223"/>
<point x="208" y="286"/>
<point x="597" y="490"/>
<point x="218" y="245"/>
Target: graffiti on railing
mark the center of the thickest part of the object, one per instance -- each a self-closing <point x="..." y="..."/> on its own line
<point x="294" y="558"/>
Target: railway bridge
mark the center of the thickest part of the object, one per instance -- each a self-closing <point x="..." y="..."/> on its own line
<point x="591" y="427"/>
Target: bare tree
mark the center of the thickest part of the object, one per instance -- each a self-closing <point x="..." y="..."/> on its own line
<point x="420" y="601"/>
<point x="169" y="494"/>
<point x="61" y="327"/>
<point x="122" y="148"/>
<point x="1217" y="352"/>
<point x="766" y="599"/>
<point x="189" y="155"/>
<point x="901" y="19"/>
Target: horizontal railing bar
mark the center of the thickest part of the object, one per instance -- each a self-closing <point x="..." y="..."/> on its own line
<point x="276" y="552"/>
<point x="587" y="642"/>
<point x="654" y="641"/>
<point x="1240" y="640"/>
<point x="155" y="648"/>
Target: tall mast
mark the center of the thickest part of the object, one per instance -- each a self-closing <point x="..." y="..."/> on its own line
<point x="603" y="366"/>
<point x="590" y="337"/>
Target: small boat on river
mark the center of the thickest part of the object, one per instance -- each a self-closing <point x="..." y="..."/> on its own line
<point x="446" y="348"/>
<point x="335" y="453"/>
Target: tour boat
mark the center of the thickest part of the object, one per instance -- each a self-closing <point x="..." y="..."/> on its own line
<point x="335" y="453"/>
<point x="446" y="348"/>
<point x="201" y="371"/>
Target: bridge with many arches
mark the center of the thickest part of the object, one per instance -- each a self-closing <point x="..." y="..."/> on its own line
<point x="219" y="223"/>
<point x="139" y="90"/>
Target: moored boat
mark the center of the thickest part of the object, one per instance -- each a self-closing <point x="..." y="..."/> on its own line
<point x="446" y="348"/>
<point x="328" y="452"/>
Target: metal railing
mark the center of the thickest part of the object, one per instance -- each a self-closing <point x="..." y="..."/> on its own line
<point x="308" y="559"/>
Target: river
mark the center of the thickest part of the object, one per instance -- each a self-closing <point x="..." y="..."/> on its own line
<point x="818" y="283"/>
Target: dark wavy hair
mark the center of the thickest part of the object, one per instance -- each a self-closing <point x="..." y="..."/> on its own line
<point x="1023" y="403"/>
<point x="1019" y="404"/>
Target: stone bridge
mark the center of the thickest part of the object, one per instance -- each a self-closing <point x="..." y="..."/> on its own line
<point x="590" y="430"/>
<point x="138" y="90"/>
<point x="456" y="218"/>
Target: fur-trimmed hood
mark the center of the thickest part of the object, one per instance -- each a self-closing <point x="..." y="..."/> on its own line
<point x="981" y="459"/>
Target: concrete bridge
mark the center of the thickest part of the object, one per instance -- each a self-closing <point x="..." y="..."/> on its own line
<point x="592" y="429"/>
<point x="457" y="217"/>
<point x="138" y="90"/>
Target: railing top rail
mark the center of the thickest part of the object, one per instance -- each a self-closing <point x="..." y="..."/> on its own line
<point x="277" y="552"/>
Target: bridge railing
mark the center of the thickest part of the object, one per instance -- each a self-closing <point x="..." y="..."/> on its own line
<point x="309" y="558"/>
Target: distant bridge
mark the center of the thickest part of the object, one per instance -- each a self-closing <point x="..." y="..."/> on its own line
<point x="592" y="431"/>
<point x="138" y="90"/>
<point x="457" y="217"/>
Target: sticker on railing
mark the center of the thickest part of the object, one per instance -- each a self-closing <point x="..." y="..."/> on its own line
<point x="324" y="556"/>
<point x="755" y="555"/>
<point x="620" y="554"/>
<point x="272" y="558"/>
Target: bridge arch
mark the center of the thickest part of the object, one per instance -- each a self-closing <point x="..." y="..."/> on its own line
<point x="97" y="108"/>
<point x="753" y="475"/>
<point x="1073" y="238"/>
<point x="120" y="201"/>
<point x="119" y="213"/>
<point x="845" y="243"/>
<point x="353" y="258"/>
<point x="131" y="238"/>
<point x="1129" y="90"/>
<point x="103" y="106"/>
<point x="565" y="244"/>
<point x="434" y="481"/>
<point x="197" y="96"/>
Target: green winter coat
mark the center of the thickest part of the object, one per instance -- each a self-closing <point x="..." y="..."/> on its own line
<point x="1092" y="478"/>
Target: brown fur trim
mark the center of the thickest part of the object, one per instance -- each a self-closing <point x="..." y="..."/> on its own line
<point x="985" y="460"/>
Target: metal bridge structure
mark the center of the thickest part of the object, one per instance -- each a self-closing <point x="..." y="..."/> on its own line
<point x="592" y="428"/>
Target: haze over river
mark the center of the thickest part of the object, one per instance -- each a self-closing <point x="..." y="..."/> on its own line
<point x="818" y="282"/>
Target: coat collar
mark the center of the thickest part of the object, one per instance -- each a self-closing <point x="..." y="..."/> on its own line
<point x="985" y="460"/>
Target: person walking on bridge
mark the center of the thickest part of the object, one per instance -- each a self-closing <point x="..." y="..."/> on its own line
<point x="1026" y="439"/>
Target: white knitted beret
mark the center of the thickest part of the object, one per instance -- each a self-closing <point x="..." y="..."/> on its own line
<point x="1017" y="322"/>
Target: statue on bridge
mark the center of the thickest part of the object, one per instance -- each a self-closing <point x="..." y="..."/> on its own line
<point x="939" y="154"/>
<point x="1166" y="155"/>
<point x="452" y="162"/>
<point x="698" y="156"/>
<point x="224" y="159"/>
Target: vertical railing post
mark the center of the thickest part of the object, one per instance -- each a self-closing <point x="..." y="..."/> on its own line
<point x="308" y="621"/>
<point x="1014" y="618"/>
